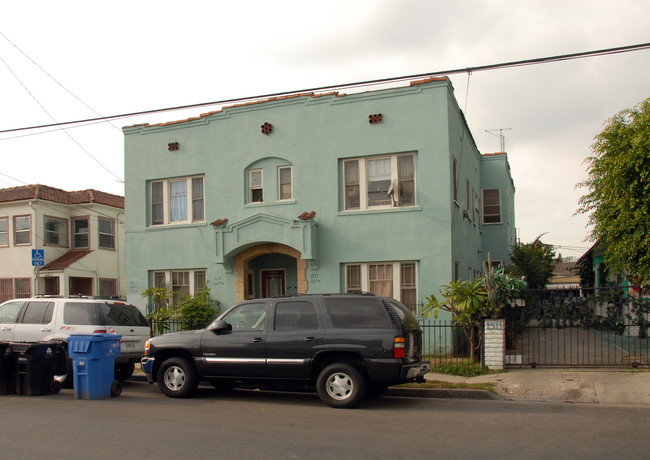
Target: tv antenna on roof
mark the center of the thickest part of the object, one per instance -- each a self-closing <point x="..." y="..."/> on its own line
<point x="502" y="138"/>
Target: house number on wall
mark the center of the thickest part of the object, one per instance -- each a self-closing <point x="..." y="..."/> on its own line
<point x="218" y="281"/>
<point x="314" y="279"/>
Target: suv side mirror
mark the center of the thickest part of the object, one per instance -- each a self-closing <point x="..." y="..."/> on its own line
<point x="220" y="326"/>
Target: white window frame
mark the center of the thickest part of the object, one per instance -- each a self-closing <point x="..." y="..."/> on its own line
<point x="81" y="234"/>
<point x="157" y="277"/>
<point x="190" y="214"/>
<point x="290" y="197"/>
<point x="100" y="233"/>
<point x="393" y="199"/>
<point x="60" y="235"/>
<point x="364" y="269"/>
<point x="489" y="215"/>
<point x="4" y="234"/>
<point x="28" y="230"/>
<point x="252" y="188"/>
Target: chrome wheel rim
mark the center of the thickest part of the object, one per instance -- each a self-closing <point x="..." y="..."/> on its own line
<point x="339" y="386"/>
<point x="174" y="378"/>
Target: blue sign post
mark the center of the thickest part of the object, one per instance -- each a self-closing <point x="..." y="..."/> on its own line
<point x="38" y="257"/>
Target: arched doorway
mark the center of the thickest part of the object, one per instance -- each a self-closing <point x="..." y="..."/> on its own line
<point x="269" y="269"/>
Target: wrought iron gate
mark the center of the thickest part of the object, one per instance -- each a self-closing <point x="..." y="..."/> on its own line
<point x="577" y="328"/>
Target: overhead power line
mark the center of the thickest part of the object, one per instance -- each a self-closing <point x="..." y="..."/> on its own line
<point x="469" y="70"/>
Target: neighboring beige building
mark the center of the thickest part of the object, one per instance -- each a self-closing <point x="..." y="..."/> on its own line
<point x="80" y="233"/>
<point x="565" y="276"/>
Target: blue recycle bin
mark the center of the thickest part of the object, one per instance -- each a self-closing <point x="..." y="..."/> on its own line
<point x="93" y="359"/>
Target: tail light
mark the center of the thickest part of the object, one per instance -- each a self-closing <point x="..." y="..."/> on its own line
<point x="99" y="331"/>
<point x="399" y="348"/>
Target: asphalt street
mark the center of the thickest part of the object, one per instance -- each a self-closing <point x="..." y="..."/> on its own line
<point x="142" y="423"/>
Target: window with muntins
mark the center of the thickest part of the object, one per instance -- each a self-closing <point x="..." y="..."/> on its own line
<point x="255" y="186"/>
<point x="285" y="183"/>
<point x="379" y="182"/>
<point x="177" y="201"/>
<point x="182" y="282"/>
<point x="106" y="233"/>
<point x="56" y="231"/>
<point x="4" y="231"/>
<point x="80" y="228"/>
<point x="22" y="230"/>
<point x="397" y="280"/>
<point x="492" y="206"/>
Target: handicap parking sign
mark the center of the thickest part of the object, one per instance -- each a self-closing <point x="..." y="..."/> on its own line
<point x="38" y="257"/>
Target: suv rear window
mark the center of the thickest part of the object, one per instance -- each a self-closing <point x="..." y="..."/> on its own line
<point x="356" y="312"/>
<point x="122" y="314"/>
<point x="81" y="313"/>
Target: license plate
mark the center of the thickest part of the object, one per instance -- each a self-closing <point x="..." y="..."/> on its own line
<point x="129" y="345"/>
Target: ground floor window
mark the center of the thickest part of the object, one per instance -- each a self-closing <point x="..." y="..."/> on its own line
<point x="181" y="282"/>
<point x="107" y="287"/>
<point x="390" y="279"/>
<point x="51" y="285"/>
<point x="12" y="288"/>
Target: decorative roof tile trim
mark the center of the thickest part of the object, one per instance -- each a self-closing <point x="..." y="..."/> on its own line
<point x="271" y="99"/>
<point x="46" y="193"/>
<point x="428" y="80"/>
<point x="67" y="259"/>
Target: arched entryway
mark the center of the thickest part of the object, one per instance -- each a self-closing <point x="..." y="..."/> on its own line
<point x="269" y="269"/>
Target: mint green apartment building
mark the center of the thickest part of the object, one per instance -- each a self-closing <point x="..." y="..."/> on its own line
<point x="382" y="191"/>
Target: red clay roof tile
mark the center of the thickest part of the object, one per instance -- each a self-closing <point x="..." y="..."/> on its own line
<point x="44" y="192"/>
<point x="67" y="259"/>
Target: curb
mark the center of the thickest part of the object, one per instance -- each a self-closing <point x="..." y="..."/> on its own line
<point x="441" y="393"/>
<point x="444" y="393"/>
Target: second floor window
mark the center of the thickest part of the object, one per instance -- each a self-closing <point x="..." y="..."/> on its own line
<point x="255" y="186"/>
<point x="176" y="201"/>
<point x="285" y="189"/>
<point x="106" y="233"/>
<point x="80" y="233"/>
<point x="491" y="206"/>
<point x="379" y="182"/>
<point x="56" y="231"/>
<point x="4" y="231"/>
<point x="22" y="230"/>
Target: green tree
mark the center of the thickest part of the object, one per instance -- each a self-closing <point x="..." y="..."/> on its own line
<point x="198" y="310"/>
<point x="534" y="261"/>
<point x="618" y="186"/>
<point x="162" y="312"/>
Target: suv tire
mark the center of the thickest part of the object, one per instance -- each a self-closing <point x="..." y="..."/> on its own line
<point x="340" y="385"/>
<point x="177" y="377"/>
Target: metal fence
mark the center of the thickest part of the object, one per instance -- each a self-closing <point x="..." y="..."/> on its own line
<point x="175" y="325"/>
<point x="574" y="328"/>
<point x="446" y="345"/>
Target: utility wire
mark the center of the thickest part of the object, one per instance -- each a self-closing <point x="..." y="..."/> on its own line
<point x="504" y="65"/>
<point x="58" y="125"/>
<point x="54" y="79"/>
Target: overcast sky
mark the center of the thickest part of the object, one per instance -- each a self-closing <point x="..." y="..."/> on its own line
<point x="71" y="60"/>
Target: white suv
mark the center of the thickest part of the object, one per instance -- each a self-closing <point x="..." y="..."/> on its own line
<point x="45" y="318"/>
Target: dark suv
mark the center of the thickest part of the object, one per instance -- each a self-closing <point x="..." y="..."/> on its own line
<point x="345" y="345"/>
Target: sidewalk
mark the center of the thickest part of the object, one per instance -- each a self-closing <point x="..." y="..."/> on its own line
<point x="609" y="386"/>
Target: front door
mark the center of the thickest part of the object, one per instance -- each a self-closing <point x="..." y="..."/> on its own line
<point x="273" y="283"/>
